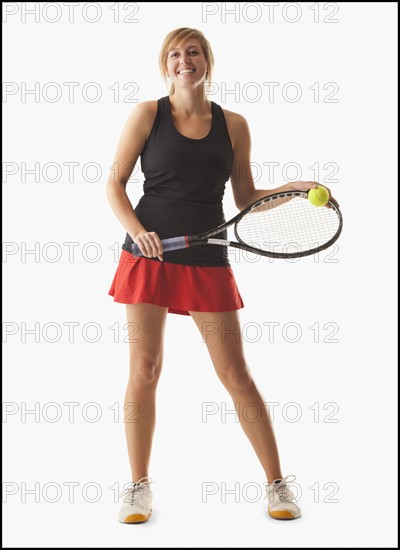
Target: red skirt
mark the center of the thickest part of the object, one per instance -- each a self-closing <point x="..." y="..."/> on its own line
<point x="181" y="288"/>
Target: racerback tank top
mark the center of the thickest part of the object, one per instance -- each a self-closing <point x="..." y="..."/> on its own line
<point x="184" y="185"/>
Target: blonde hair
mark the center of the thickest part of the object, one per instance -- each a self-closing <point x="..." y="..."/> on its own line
<point x="181" y="35"/>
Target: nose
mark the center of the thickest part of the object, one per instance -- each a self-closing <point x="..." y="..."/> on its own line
<point x="184" y="59"/>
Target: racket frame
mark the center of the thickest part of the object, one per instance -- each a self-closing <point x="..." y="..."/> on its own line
<point x="204" y="238"/>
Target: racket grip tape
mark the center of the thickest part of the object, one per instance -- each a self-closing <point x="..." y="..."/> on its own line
<point x="174" y="243"/>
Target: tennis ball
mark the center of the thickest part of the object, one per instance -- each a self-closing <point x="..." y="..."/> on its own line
<point x="318" y="196"/>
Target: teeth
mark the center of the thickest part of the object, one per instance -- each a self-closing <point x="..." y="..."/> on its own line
<point x="184" y="71"/>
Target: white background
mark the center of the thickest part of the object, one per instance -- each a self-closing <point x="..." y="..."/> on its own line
<point x="344" y="458"/>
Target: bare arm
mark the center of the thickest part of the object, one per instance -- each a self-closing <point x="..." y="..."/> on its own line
<point x="133" y="138"/>
<point x="243" y="188"/>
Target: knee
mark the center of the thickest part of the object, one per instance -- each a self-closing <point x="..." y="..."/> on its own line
<point x="236" y="377"/>
<point x="144" y="372"/>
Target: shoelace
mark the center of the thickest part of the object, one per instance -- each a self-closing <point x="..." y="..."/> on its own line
<point x="135" y="490"/>
<point x="281" y="489"/>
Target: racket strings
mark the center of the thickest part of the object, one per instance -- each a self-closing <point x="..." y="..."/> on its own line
<point x="284" y="225"/>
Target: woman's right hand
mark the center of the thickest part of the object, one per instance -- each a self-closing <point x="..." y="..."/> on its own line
<point x="150" y="244"/>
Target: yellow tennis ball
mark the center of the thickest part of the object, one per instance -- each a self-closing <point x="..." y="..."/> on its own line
<point x="318" y="196"/>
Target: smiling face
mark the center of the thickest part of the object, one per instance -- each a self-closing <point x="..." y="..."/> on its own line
<point x="186" y="64"/>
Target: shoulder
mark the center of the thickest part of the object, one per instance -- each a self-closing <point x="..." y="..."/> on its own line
<point x="144" y="115"/>
<point x="234" y="118"/>
<point x="147" y="106"/>
<point x="237" y="126"/>
<point x="146" y="109"/>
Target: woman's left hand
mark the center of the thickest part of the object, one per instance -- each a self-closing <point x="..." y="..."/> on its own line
<point x="307" y="185"/>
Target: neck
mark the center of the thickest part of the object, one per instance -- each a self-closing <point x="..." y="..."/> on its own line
<point x="190" y="102"/>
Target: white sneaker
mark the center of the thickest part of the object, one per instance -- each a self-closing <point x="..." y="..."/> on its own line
<point x="280" y="500"/>
<point x="136" y="506"/>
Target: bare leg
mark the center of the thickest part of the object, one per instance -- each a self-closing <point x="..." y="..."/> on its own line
<point x="222" y="335"/>
<point x="146" y="339"/>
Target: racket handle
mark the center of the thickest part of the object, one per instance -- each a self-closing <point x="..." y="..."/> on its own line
<point x="168" y="244"/>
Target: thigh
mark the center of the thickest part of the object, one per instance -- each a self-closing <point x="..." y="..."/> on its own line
<point x="146" y="327"/>
<point x="221" y="333"/>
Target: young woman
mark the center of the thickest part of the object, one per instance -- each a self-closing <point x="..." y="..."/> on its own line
<point x="189" y="148"/>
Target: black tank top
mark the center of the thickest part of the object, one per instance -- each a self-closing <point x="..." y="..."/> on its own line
<point x="184" y="185"/>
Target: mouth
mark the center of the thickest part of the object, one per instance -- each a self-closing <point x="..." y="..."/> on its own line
<point x="186" y="71"/>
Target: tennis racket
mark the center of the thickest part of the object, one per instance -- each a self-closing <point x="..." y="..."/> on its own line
<point x="282" y="225"/>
